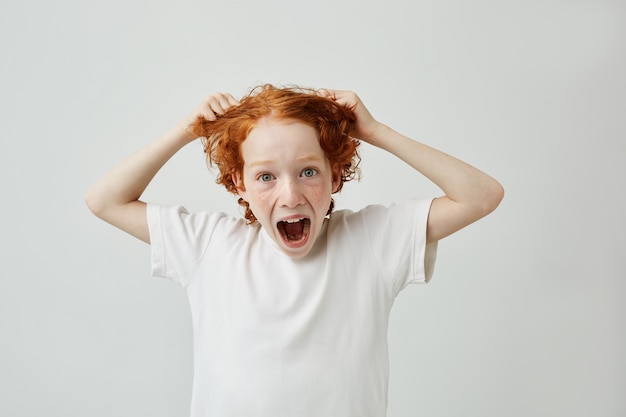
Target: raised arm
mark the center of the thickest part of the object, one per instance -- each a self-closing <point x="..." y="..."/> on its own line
<point x="470" y="194"/>
<point x="115" y="197"/>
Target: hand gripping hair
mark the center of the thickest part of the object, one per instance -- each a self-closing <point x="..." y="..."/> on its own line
<point x="223" y="137"/>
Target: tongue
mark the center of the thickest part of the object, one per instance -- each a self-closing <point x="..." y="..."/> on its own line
<point x="294" y="231"/>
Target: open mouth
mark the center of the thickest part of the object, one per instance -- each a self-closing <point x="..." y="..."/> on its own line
<point x="294" y="231"/>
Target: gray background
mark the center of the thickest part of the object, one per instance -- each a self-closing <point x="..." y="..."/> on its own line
<point x="525" y="315"/>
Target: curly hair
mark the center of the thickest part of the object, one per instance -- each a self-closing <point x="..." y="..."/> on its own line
<point x="333" y="122"/>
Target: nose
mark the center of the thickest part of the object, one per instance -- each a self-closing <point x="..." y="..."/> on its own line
<point x="291" y="194"/>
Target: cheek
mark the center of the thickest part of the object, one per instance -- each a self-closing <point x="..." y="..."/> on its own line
<point x="259" y="200"/>
<point x="320" y="194"/>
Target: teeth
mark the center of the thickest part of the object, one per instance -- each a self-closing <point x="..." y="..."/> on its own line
<point x="293" y="220"/>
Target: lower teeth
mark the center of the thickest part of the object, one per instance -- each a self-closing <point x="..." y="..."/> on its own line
<point x="299" y="229"/>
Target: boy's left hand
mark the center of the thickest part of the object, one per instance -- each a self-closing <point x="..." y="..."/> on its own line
<point x="365" y="126"/>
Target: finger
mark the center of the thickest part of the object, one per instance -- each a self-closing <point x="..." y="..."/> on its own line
<point x="205" y="110"/>
<point x="344" y="98"/>
<point x="221" y="102"/>
<point x="214" y="104"/>
<point x="207" y="113"/>
<point x="326" y="92"/>
<point x="232" y="101"/>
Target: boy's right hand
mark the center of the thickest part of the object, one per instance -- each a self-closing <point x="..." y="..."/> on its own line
<point x="209" y="109"/>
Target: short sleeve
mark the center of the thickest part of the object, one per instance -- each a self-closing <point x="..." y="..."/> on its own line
<point x="178" y="240"/>
<point x="398" y="239"/>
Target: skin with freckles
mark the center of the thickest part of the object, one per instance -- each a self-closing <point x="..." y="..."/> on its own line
<point x="286" y="177"/>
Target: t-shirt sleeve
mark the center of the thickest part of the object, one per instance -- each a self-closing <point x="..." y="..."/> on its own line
<point x="178" y="240"/>
<point x="398" y="238"/>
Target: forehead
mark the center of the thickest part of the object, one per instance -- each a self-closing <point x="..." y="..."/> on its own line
<point x="281" y="139"/>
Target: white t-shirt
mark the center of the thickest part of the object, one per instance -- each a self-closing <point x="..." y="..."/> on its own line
<point x="282" y="337"/>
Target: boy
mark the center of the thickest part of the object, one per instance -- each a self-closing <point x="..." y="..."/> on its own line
<point x="290" y="308"/>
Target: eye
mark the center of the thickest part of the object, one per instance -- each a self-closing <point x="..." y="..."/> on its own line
<point x="309" y="172"/>
<point x="265" y="177"/>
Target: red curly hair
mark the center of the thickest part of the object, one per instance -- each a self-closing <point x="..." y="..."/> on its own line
<point x="333" y="122"/>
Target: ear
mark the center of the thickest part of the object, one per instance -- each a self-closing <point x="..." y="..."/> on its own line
<point x="336" y="182"/>
<point x="238" y="182"/>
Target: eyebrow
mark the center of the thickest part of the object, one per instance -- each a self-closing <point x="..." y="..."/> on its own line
<point x="304" y="158"/>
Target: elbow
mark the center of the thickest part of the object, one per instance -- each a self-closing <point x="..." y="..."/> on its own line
<point x="91" y="202"/>
<point x="486" y="200"/>
<point x="493" y="196"/>
<point x="94" y="203"/>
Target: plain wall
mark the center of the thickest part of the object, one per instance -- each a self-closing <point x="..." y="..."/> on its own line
<point x="526" y="313"/>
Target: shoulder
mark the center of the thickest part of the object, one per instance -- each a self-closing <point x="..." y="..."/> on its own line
<point x="177" y="219"/>
<point x="402" y="223"/>
<point x="400" y="212"/>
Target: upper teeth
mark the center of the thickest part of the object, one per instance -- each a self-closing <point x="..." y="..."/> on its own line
<point x="293" y="220"/>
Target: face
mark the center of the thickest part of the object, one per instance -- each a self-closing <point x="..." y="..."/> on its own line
<point x="287" y="181"/>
